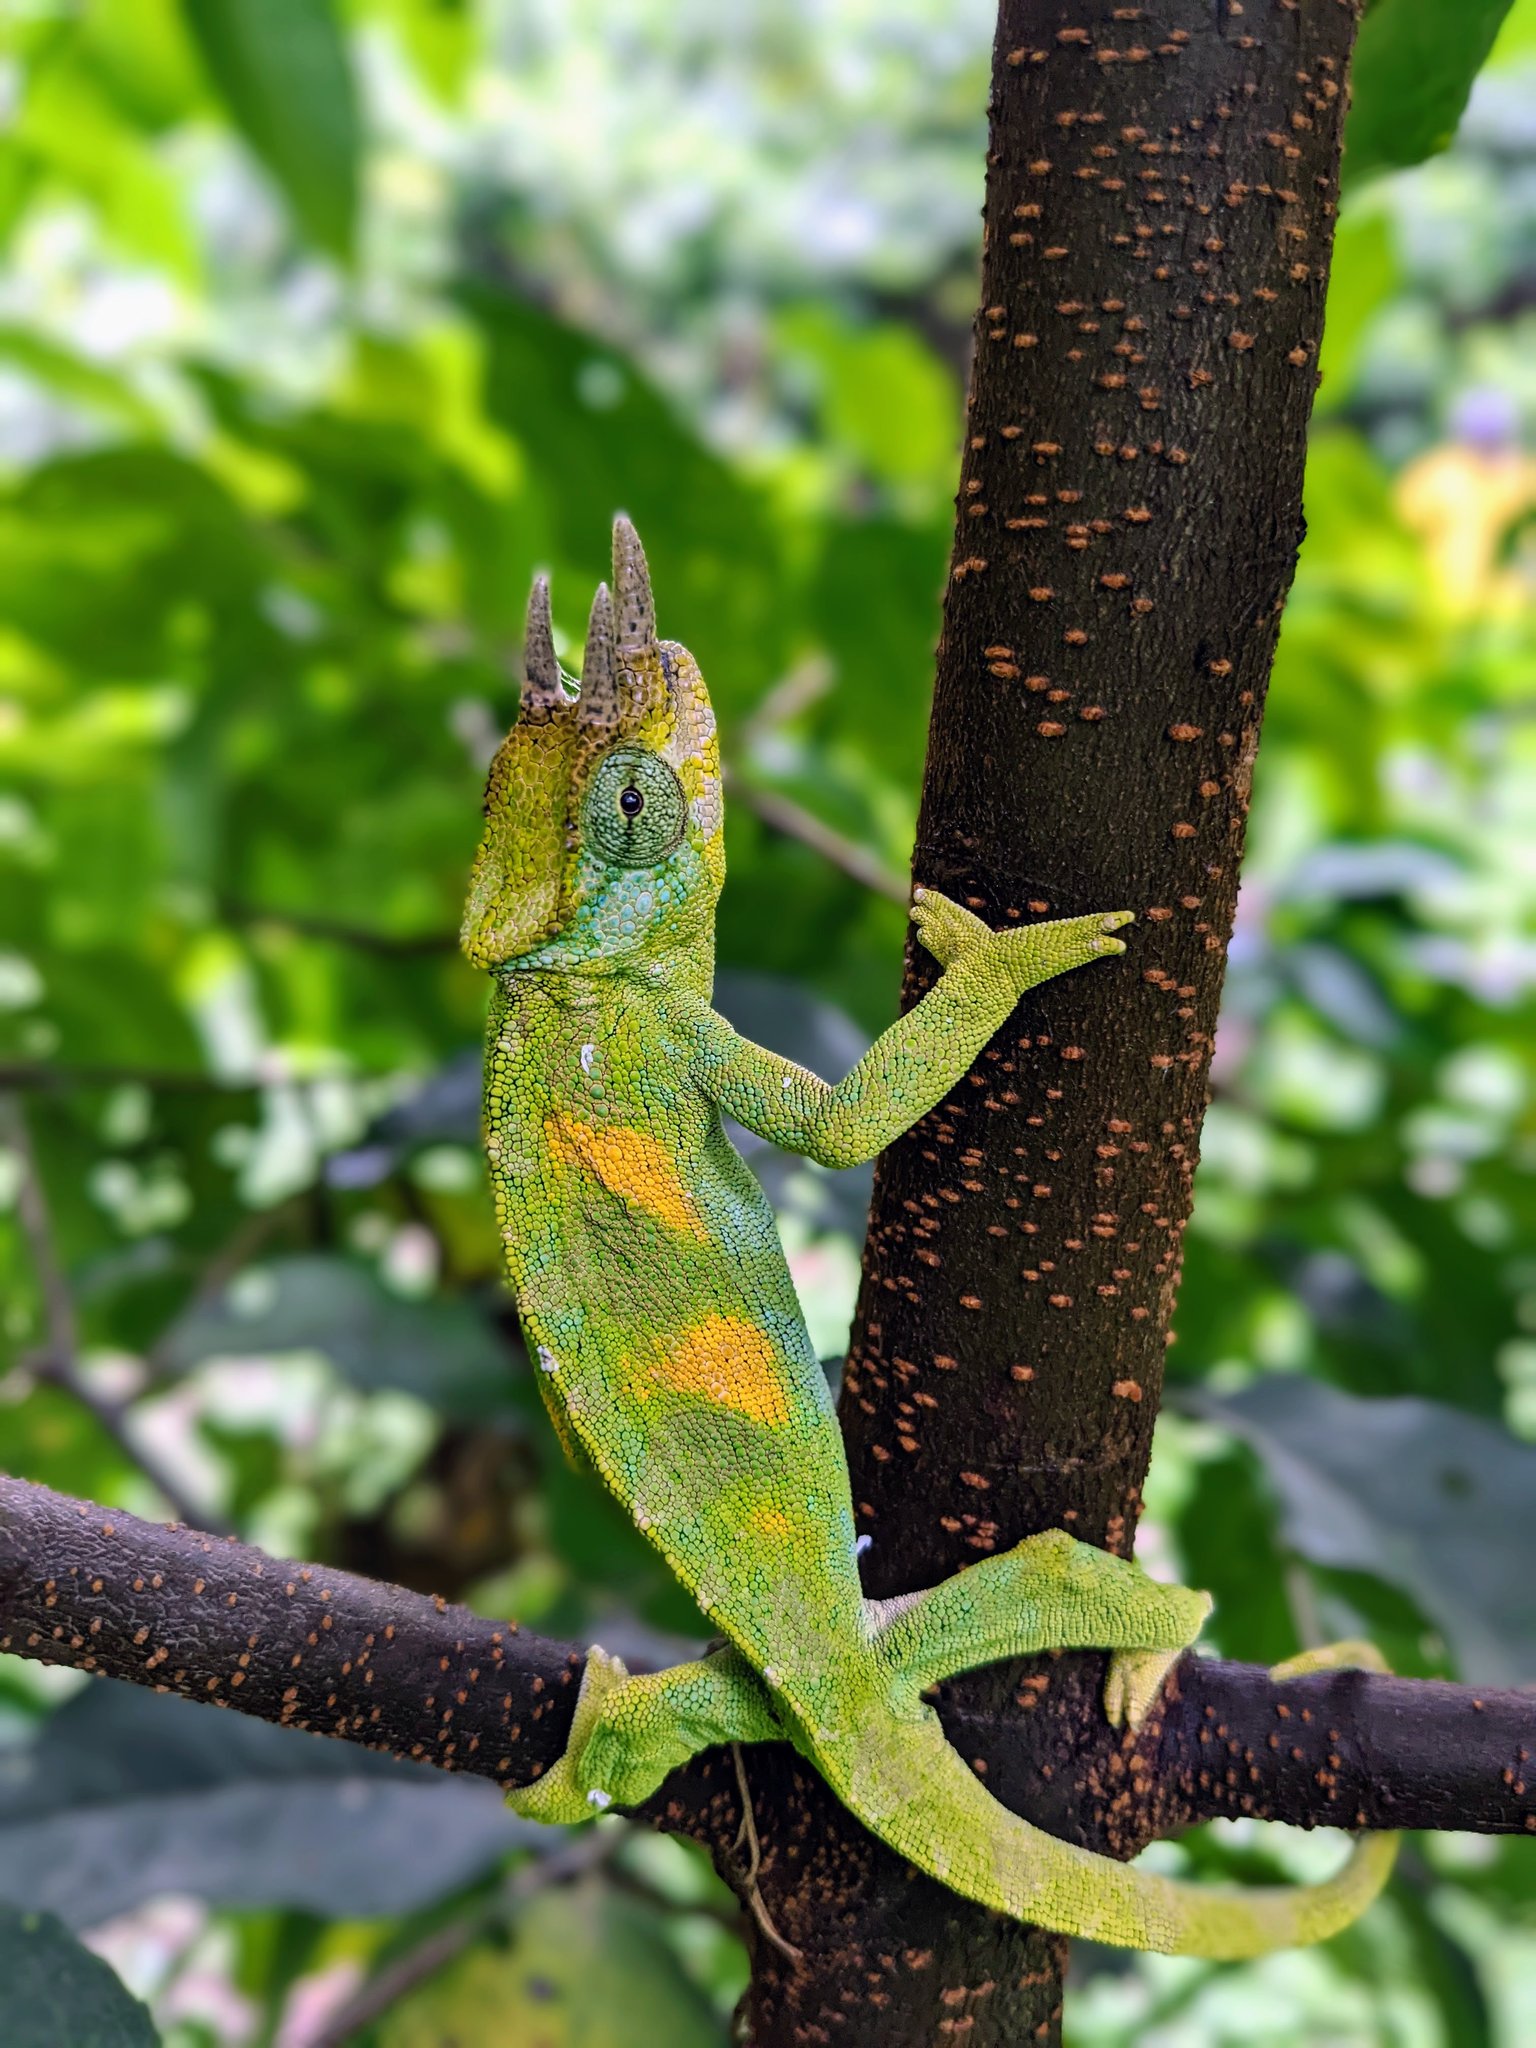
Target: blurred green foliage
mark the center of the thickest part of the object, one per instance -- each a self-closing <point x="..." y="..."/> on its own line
<point x="319" y="329"/>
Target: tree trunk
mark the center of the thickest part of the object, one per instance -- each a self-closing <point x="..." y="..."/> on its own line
<point x="1160" y="207"/>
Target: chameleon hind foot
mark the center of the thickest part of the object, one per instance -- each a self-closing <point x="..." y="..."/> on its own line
<point x="1354" y="1654"/>
<point x="1133" y="1682"/>
<point x="1050" y="1592"/>
<point x="628" y="1733"/>
<point x="1136" y="1677"/>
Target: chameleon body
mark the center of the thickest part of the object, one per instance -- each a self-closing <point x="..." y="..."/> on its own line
<point x="672" y="1351"/>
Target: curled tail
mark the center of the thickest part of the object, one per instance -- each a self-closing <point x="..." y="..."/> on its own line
<point x="908" y="1786"/>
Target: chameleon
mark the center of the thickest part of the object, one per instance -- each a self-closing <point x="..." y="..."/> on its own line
<point x="671" y="1349"/>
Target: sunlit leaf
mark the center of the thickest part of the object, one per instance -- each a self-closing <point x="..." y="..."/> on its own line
<point x="586" y="1967"/>
<point x="283" y="69"/>
<point x="1415" y="61"/>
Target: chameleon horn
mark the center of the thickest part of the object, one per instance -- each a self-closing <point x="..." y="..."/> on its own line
<point x="542" y="689"/>
<point x="632" y="589"/>
<point x="647" y="698"/>
<point x="600" y="665"/>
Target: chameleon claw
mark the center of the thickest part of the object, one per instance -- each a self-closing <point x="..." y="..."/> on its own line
<point x="1114" y="919"/>
<point x="600" y="1799"/>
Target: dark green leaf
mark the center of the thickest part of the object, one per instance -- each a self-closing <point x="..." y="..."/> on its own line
<point x="282" y="69"/>
<point x="125" y="1795"/>
<point x="1436" y="1502"/>
<point x="56" y="1994"/>
<point x="442" y="1351"/>
<point x="588" y="1968"/>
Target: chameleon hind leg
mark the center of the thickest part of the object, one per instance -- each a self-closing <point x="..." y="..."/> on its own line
<point x="1050" y="1592"/>
<point x="628" y="1733"/>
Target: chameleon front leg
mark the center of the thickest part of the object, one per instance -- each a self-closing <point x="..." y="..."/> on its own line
<point x="628" y="1733"/>
<point x="911" y="1066"/>
<point x="1049" y="1592"/>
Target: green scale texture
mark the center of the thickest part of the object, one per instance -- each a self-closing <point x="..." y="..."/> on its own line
<point x="672" y="1351"/>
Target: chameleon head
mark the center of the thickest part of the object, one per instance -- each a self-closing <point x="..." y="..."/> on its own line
<point x="603" y="815"/>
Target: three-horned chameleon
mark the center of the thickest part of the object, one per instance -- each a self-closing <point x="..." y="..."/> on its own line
<point x="672" y="1351"/>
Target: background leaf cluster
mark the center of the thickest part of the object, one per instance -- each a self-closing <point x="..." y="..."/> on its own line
<point x="320" y="328"/>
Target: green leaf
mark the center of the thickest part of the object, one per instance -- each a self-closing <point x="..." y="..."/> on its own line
<point x="125" y="1795"/>
<point x="1362" y="278"/>
<point x="282" y="69"/>
<point x="442" y="1351"/>
<point x="1435" y="1502"/>
<point x="74" y="377"/>
<point x="1414" y="66"/>
<point x="55" y="1994"/>
<point x="588" y="1968"/>
<point x="884" y="397"/>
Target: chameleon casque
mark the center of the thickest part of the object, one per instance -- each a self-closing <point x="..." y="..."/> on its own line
<point x="656" y="1299"/>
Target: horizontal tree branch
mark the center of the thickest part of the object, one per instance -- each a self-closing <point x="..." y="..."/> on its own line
<point x="308" y="1647"/>
<point x="1346" y="1748"/>
<point x="216" y="1620"/>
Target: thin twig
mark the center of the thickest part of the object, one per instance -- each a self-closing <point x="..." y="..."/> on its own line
<point x="784" y="815"/>
<point x="58" y="1360"/>
<point x="805" y="684"/>
<point x="747" y="1833"/>
<point x="362" y="938"/>
<point x="221" y="1268"/>
<point x="34" y="1077"/>
<point x="586" y="1851"/>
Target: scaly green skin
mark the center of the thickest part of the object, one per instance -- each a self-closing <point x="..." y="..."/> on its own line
<point x="656" y="1299"/>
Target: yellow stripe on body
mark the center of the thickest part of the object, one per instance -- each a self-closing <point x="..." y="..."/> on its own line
<point x="727" y="1360"/>
<point x="629" y="1163"/>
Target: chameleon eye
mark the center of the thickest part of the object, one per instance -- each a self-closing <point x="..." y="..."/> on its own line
<point x="635" y="811"/>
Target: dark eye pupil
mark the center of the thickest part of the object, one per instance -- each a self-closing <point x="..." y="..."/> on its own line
<point x="631" y="803"/>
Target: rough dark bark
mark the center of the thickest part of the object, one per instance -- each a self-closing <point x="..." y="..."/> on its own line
<point x="310" y="1647"/>
<point x="1159" y="216"/>
<point x="298" y="1644"/>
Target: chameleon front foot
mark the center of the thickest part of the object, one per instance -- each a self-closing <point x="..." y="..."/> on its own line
<point x="628" y="1733"/>
<point x="1028" y="954"/>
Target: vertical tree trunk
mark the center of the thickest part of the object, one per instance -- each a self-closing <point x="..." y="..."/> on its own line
<point x="1161" y="193"/>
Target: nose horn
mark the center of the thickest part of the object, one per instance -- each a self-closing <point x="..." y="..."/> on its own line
<point x="600" y="665"/>
<point x="542" y="689"/>
<point x="635" y="606"/>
